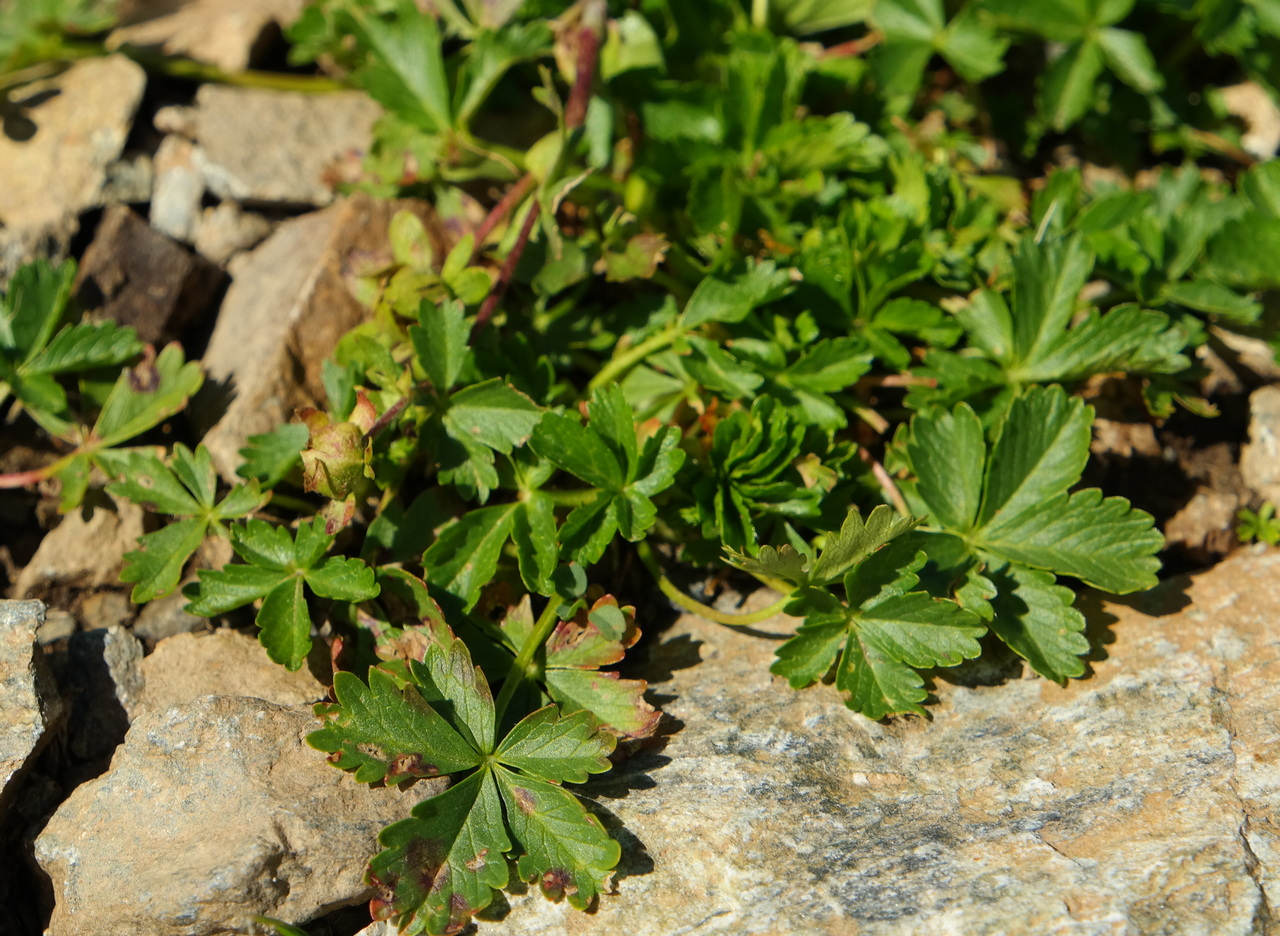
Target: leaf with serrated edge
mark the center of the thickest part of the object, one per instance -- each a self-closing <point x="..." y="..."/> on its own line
<point x="384" y="731"/>
<point x="493" y="414"/>
<point x="457" y="688"/>
<point x="557" y="749"/>
<point x="285" y="624"/>
<point x="156" y="569"/>
<point x="85" y="346"/>
<point x="856" y="540"/>
<point x="263" y="544"/>
<point x="784" y="563"/>
<point x="566" y="849"/>
<point x="145" y="480"/>
<point x="147" y="395"/>
<point x="270" y="457"/>
<point x="231" y="587"/>
<point x="568" y="444"/>
<point x="441" y="342"/>
<point x="1036" y="619"/>
<point x="947" y="452"/>
<point x="617" y="703"/>
<point x="441" y="865"/>
<point x="464" y="557"/>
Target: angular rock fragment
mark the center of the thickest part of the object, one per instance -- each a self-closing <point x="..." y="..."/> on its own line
<point x="134" y="275"/>
<point x="286" y="308"/>
<point x="101" y="676"/>
<point x="178" y="191"/>
<point x="83" y="552"/>
<point x="226" y="662"/>
<point x="226" y="230"/>
<point x="258" y="146"/>
<point x="29" y="702"/>
<point x="213" y="811"/>
<point x="1145" y="799"/>
<point x="80" y="120"/>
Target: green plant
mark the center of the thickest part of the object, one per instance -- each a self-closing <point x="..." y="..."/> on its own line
<point x="1262" y="526"/>
<point x="810" y="311"/>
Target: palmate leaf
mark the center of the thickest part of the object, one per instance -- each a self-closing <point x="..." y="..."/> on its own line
<point x="883" y="633"/>
<point x="441" y="865"/>
<point x="915" y="30"/>
<point x="1007" y="505"/>
<point x="184" y="488"/>
<point x="607" y="454"/>
<point x="276" y="567"/>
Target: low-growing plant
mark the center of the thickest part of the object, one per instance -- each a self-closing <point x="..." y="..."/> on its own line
<point x="804" y="308"/>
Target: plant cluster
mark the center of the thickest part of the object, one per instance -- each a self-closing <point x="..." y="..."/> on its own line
<point x="779" y="289"/>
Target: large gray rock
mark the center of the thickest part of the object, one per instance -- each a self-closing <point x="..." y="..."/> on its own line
<point x="286" y="308"/>
<point x="80" y="131"/>
<point x="213" y="811"/>
<point x="1260" y="459"/>
<point x="1145" y="799"/>
<point x="262" y="146"/>
<point x="29" y="702"/>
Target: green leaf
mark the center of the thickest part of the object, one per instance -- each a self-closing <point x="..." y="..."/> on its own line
<point x="405" y="68"/>
<point x="387" y="731"/>
<point x="1129" y="57"/>
<point x="146" y="395"/>
<point x="566" y="849"/>
<point x="465" y="555"/>
<point x="441" y="342"/>
<point x="557" y="749"/>
<point x="442" y="865"/>
<point x="1071" y="83"/>
<point x="85" y="346"/>
<point x="270" y="457"/>
<point x="1028" y="525"/>
<point x="277" y="566"/>
<point x="156" y="569"/>
<point x="493" y="414"/>
<point x="722" y="300"/>
<point x="458" y="690"/>
<point x="32" y="307"/>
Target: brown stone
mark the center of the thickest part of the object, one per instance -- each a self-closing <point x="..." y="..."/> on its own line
<point x="134" y="275"/>
<point x="286" y="308"/>
<point x="229" y="34"/>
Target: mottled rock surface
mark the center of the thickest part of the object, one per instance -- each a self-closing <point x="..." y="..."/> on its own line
<point x="226" y="662"/>
<point x="85" y="551"/>
<point x="1145" y="799"/>
<point x="1260" y="459"/>
<point x="29" y="701"/>
<point x="212" y="811"/>
<point x="81" y="119"/>
<point x="274" y="146"/>
<point x="285" y="310"/>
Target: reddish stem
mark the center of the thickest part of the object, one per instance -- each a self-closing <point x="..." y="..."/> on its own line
<point x="505" y="274"/>
<point x="515" y="195"/>
<point x="885" y="482"/>
<point x="20" y="479"/>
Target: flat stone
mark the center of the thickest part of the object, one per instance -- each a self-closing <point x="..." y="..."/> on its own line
<point x="286" y="308"/>
<point x="1260" y="458"/>
<point x="258" y="146"/>
<point x="1144" y="799"/>
<point x="226" y="662"/>
<point x="166" y="617"/>
<point x="83" y="552"/>
<point x="134" y="275"/>
<point x="30" y="705"/>
<point x="225" y="33"/>
<point x="81" y="128"/>
<point x="212" y="812"/>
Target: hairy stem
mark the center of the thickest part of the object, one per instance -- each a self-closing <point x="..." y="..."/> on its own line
<point x="668" y="588"/>
<point x="628" y="359"/>
<point x="521" y="667"/>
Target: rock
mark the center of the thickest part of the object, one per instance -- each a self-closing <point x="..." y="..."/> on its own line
<point x="227" y="230"/>
<point x="30" y="706"/>
<point x="227" y="663"/>
<point x="134" y="275"/>
<point x="1144" y="799"/>
<point x="58" y="625"/>
<point x="83" y="552"/>
<point x="105" y="608"/>
<point x="166" y="617"/>
<point x="261" y="146"/>
<point x="284" y="312"/>
<point x="102" y="676"/>
<point x="1205" y="528"/>
<point x="226" y="33"/>
<point x="179" y="190"/>
<point x="1260" y="458"/>
<point x="1250" y="102"/>
<point x="81" y="129"/>
<point x="213" y="811"/>
<point x="129" y="180"/>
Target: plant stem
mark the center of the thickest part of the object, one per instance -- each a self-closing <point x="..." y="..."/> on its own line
<point x="623" y="362"/>
<point x="515" y="195"/>
<point x="886" y="483"/>
<point x="668" y="588"/>
<point x="505" y="274"/>
<point x="191" y="70"/>
<point x="521" y="667"/>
